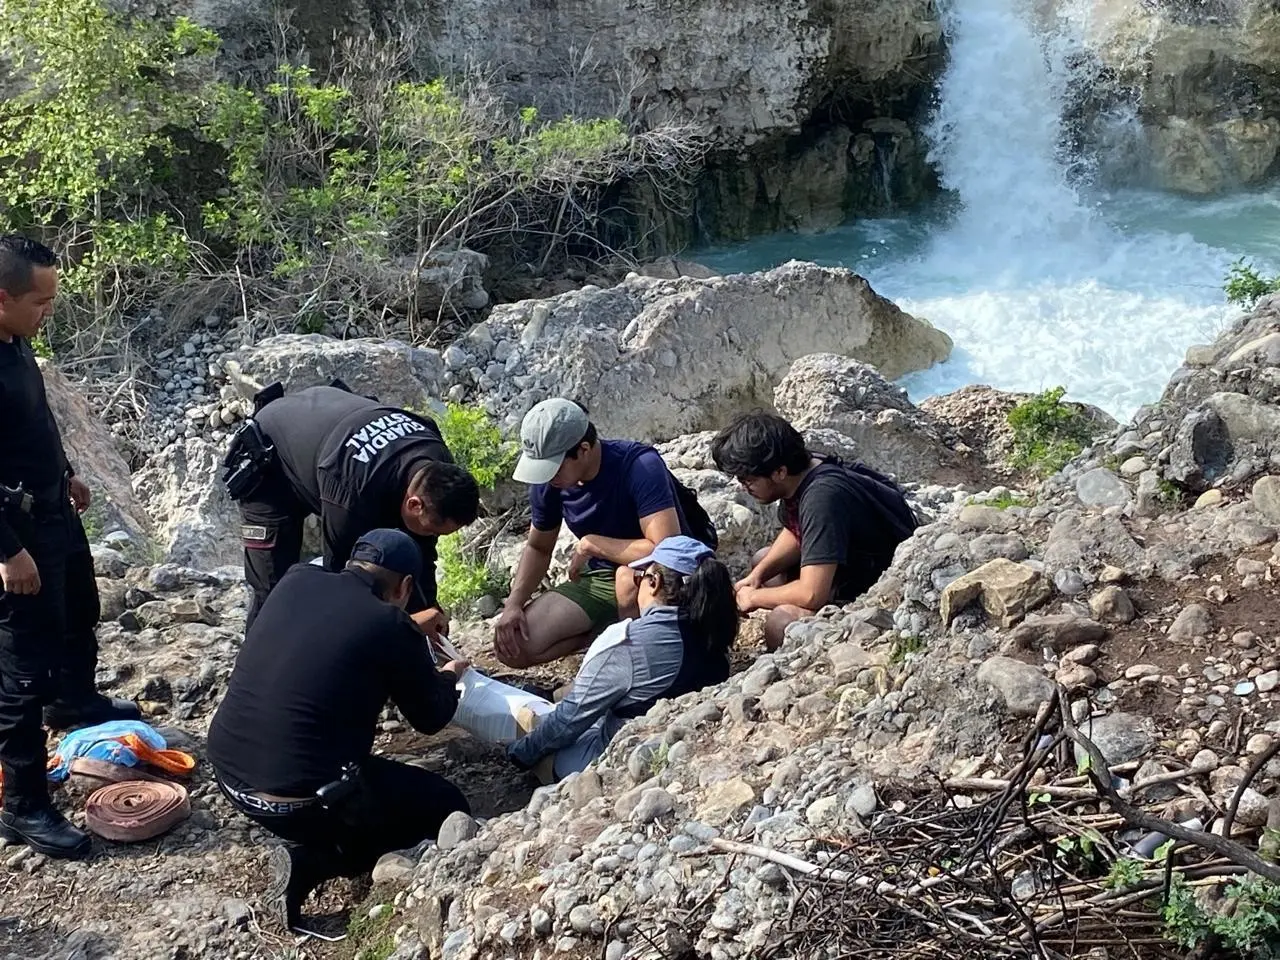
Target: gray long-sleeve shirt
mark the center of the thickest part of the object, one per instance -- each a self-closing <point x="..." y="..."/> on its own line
<point x="629" y="663"/>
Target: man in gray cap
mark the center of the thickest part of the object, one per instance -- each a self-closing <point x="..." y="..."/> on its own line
<point x="620" y="501"/>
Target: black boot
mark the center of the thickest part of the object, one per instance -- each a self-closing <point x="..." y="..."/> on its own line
<point x="87" y="713"/>
<point x="46" y="831"/>
<point x="295" y="871"/>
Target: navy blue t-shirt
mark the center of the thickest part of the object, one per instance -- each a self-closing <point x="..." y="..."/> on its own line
<point x="633" y="482"/>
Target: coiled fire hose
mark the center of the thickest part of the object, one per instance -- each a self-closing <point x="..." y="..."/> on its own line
<point x="136" y="810"/>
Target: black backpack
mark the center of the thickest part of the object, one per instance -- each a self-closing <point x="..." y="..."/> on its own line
<point x="698" y="518"/>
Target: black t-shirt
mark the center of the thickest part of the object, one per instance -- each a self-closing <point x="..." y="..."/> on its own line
<point x="350" y="459"/>
<point x="31" y="450"/>
<point x="316" y="668"/>
<point x="849" y="515"/>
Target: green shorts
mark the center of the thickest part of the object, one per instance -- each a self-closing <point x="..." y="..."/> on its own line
<point x="595" y="593"/>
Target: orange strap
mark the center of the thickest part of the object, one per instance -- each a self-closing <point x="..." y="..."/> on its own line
<point x="170" y="761"/>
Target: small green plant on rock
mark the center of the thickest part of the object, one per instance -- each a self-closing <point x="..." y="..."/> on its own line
<point x="371" y="936"/>
<point x="1249" y="921"/>
<point x="904" y="646"/>
<point x="477" y="444"/>
<point x="1002" y="502"/>
<point x="1125" y="872"/>
<point x="1047" y="432"/>
<point x="1245" y="286"/>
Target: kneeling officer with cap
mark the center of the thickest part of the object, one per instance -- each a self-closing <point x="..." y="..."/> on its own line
<point x="290" y="744"/>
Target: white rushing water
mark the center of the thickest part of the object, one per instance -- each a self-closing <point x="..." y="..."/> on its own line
<point x="1039" y="282"/>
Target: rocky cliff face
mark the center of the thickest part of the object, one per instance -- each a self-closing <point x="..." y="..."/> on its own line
<point x="806" y="102"/>
<point x="1206" y="84"/>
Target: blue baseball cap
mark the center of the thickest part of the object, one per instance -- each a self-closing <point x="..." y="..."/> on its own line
<point x="681" y="554"/>
<point x="390" y="549"/>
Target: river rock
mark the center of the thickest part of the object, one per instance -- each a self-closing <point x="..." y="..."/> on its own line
<point x="1119" y="736"/>
<point x="1193" y="621"/>
<point x="1266" y="498"/>
<point x="1022" y="687"/>
<point x="1101" y="488"/>
<point x="1112" y="605"/>
<point x="1007" y="591"/>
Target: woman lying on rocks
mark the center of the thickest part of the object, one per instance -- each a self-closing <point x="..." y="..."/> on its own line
<point x="679" y="643"/>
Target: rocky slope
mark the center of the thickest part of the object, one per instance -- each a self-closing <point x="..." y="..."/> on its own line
<point x="1141" y="579"/>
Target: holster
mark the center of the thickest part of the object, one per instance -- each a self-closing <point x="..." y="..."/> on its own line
<point x="249" y="456"/>
<point x="347" y="799"/>
<point x="16" y="498"/>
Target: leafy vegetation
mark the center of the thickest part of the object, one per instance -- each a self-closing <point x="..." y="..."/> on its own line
<point x="317" y="199"/>
<point x="1245" y="286"/>
<point x="1125" y="872"/>
<point x="1047" y="432"/>
<point x="477" y="444"/>
<point x="1003" y="502"/>
<point x="372" y="938"/>
<point x="1248" y="921"/>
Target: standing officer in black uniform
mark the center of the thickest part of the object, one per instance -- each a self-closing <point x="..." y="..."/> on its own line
<point x="360" y="465"/>
<point x="290" y="743"/>
<point x="49" y="602"/>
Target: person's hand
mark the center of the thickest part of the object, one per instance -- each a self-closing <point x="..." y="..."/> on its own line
<point x="81" y="496"/>
<point x="457" y="668"/>
<point x="746" y="597"/>
<point x="751" y="580"/>
<point x="578" y="561"/>
<point x="19" y="574"/>
<point x="433" y="622"/>
<point x="511" y="632"/>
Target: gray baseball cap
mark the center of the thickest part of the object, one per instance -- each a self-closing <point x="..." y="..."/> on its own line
<point x="549" y="431"/>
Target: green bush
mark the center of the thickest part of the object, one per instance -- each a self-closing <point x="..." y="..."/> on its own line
<point x="1047" y="432"/>
<point x="1245" y="286"/>
<point x="477" y="444"/>
<point x="1249" y="924"/>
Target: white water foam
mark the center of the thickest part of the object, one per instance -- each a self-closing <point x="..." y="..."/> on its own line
<point x="1038" y="283"/>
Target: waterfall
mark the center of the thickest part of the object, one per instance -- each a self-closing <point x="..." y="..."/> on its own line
<point x="1040" y="276"/>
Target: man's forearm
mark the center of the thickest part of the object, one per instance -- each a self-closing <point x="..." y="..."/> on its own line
<point x="616" y="551"/>
<point x="794" y="594"/>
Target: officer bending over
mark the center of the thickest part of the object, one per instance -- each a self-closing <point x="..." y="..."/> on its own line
<point x="290" y="743"/>
<point x="359" y="465"/>
<point x="49" y="597"/>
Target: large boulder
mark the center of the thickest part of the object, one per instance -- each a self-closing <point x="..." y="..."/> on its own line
<point x="96" y="460"/>
<point x="848" y="408"/>
<point x="655" y="359"/>
<point x="198" y="523"/>
<point x="394" y="372"/>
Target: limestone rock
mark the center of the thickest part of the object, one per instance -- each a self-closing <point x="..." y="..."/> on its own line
<point x="1006" y="589"/>
<point x="1266" y="498"/>
<point x="96" y="461"/>
<point x="1101" y="488"/>
<point x="1112" y="605"/>
<point x="1193" y="621"/>
<point x="1021" y="686"/>
<point x="200" y="524"/>
<point x="394" y="372"/>
<point x="1119" y="736"/>
<point x="655" y="359"/>
<point x="1058" y="631"/>
<point x="888" y="433"/>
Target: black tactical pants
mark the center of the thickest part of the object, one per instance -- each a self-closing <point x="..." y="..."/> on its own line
<point x="48" y="648"/>
<point x="272" y="519"/>
<point x="397" y="807"/>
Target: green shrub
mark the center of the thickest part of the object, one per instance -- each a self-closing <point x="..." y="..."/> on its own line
<point x="465" y="576"/>
<point x="477" y="444"/>
<point x="1245" y="286"/>
<point x="1047" y="432"/>
<point x="1250" y="924"/>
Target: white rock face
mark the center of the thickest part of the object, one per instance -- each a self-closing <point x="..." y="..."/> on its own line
<point x="196" y="519"/>
<point x="656" y="359"/>
<point x="394" y="372"/>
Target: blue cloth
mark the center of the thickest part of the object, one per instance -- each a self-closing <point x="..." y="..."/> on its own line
<point x="99" y="743"/>
<point x="633" y="482"/>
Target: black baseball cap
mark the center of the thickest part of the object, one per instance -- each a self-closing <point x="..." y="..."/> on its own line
<point x="390" y="549"/>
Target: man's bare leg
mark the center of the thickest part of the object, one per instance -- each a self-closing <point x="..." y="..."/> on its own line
<point x="558" y="627"/>
<point x="775" y="625"/>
